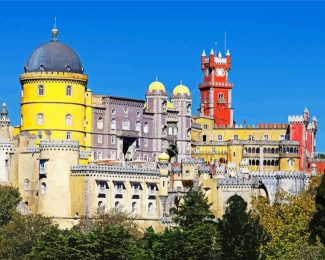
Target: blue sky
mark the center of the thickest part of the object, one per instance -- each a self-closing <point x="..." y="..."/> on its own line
<point x="277" y="48"/>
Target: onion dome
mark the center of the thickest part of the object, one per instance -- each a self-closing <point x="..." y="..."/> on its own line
<point x="54" y="56"/>
<point x="163" y="157"/>
<point x="156" y="86"/>
<point x="181" y="90"/>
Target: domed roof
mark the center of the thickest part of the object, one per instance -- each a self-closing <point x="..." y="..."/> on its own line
<point x="163" y="157"/>
<point x="156" y="86"/>
<point x="54" y="56"/>
<point x="181" y="90"/>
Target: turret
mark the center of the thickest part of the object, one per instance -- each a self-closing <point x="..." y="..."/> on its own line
<point x="228" y="57"/>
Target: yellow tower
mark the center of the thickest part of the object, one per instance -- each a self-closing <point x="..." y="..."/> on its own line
<point x="55" y="100"/>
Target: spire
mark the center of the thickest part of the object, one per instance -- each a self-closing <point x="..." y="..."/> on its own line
<point x="55" y="31"/>
<point x="219" y="55"/>
<point x="156" y="78"/>
<point x="228" y="53"/>
<point x="181" y="82"/>
<point x="212" y="52"/>
<point x="203" y="53"/>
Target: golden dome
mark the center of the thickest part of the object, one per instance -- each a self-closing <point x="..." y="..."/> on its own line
<point x="181" y="90"/>
<point x="156" y="86"/>
<point x="163" y="157"/>
<point x="169" y="105"/>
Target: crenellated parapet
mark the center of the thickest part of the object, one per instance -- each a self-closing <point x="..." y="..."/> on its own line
<point x="296" y="119"/>
<point x="67" y="145"/>
<point x="238" y="182"/>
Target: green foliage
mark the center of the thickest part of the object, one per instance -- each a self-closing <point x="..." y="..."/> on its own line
<point x="287" y="223"/>
<point x="20" y="234"/>
<point x="317" y="223"/>
<point x="9" y="199"/>
<point x="241" y="234"/>
<point x="194" y="210"/>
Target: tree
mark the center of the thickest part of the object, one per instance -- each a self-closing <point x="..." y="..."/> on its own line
<point x="9" y="199"/>
<point x="19" y="235"/>
<point x="194" y="210"/>
<point x="241" y="234"/>
<point x="287" y="223"/>
<point x="317" y="223"/>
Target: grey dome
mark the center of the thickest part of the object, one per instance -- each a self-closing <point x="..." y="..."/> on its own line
<point x="54" y="56"/>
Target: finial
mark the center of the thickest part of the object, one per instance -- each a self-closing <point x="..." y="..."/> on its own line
<point x="219" y="55"/>
<point x="156" y="78"/>
<point x="181" y="82"/>
<point x="4" y="105"/>
<point x="212" y="52"/>
<point x="228" y="53"/>
<point x="203" y="53"/>
<point x="55" y="31"/>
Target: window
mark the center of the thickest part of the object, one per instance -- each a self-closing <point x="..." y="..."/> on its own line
<point x="100" y="123"/>
<point x="68" y="91"/>
<point x="137" y="143"/>
<point x="99" y="155"/>
<point x="118" y="205"/>
<point x="205" y="126"/>
<point x="126" y="124"/>
<point x="99" y="139"/>
<point x="134" y="207"/>
<point x="40" y="90"/>
<point x="113" y="124"/>
<point x="219" y="137"/>
<point x="138" y="114"/>
<point x="175" y="130"/>
<point x="113" y="155"/>
<point x="250" y="137"/>
<point x="138" y="126"/>
<point x="189" y="109"/>
<point x="291" y="162"/>
<point x="113" y="112"/>
<point x="68" y="120"/>
<point x="42" y="169"/>
<point x="145" y="157"/>
<point x="170" y="130"/>
<point x="164" y="105"/>
<point x="146" y="128"/>
<point x="150" y="208"/>
<point x="235" y="137"/>
<point x="43" y="188"/>
<point x="101" y="207"/>
<point x="282" y="137"/>
<point x="39" y="135"/>
<point x="113" y="139"/>
<point x="126" y="110"/>
<point x="68" y="135"/>
<point x="27" y="184"/>
<point x="40" y="119"/>
<point x="266" y="137"/>
<point x="145" y="142"/>
<point x="204" y="138"/>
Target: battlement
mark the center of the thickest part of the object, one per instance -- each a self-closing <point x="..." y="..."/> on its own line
<point x="53" y="75"/>
<point x="192" y="161"/>
<point x="71" y="145"/>
<point x="84" y="154"/>
<point x="280" y="175"/>
<point x="295" y="119"/>
<point x="106" y="169"/>
<point x="238" y="182"/>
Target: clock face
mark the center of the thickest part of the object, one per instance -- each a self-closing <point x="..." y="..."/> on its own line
<point x="220" y="72"/>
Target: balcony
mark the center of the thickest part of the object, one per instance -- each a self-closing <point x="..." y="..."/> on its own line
<point x="128" y="133"/>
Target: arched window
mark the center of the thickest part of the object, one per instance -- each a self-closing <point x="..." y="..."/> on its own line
<point x="220" y="95"/>
<point x="291" y="162"/>
<point x="145" y="157"/>
<point x="257" y="162"/>
<point x="175" y="130"/>
<point x="253" y="162"/>
<point x="170" y="130"/>
<point x="68" y="120"/>
<point x="27" y="184"/>
<point x="68" y="135"/>
<point x="164" y="105"/>
<point x="291" y="150"/>
<point x="40" y="119"/>
<point x="138" y="126"/>
<point x="276" y="150"/>
<point x="272" y="151"/>
<point x="189" y="109"/>
<point x="100" y="123"/>
<point x="118" y="205"/>
<point x="249" y="150"/>
<point x="257" y="150"/>
<point x="269" y="150"/>
<point x="272" y="162"/>
<point x="113" y="124"/>
<point x="253" y="150"/>
<point x="113" y="112"/>
<point x="268" y="162"/>
<point x="146" y="128"/>
<point x="40" y="90"/>
<point x="264" y="162"/>
<point x="43" y="188"/>
<point x="68" y="91"/>
<point x="264" y="150"/>
<point x="99" y="155"/>
<point x="101" y="207"/>
<point x="126" y="124"/>
<point x="250" y="162"/>
<point x="150" y="208"/>
<point x="134" y="207"/>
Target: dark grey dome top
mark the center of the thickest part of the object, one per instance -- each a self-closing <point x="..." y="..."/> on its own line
<point x="54" y="56"/>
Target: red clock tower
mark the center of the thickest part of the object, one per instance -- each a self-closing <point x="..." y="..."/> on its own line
<point x="215" y="91"/>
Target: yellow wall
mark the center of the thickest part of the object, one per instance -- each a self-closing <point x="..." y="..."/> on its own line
<point x="55" y="104"/>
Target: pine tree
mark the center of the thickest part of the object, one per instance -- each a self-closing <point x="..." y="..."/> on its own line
<point x="241" y="234"/>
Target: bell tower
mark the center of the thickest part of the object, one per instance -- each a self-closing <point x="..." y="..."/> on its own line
<point x="215" y="91"/>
